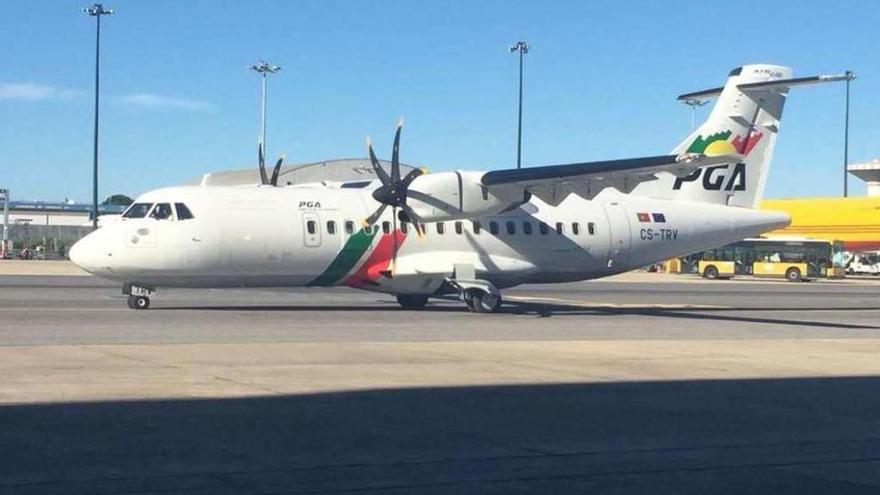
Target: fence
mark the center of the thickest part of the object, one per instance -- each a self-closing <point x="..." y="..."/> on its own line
<point x="55" y="238"/>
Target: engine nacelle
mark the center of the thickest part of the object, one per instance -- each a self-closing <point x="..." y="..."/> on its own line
<point x="455" y="195"/>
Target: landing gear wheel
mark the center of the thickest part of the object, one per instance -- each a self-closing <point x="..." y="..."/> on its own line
<point x="479" y="301"/>
<point x="412" y="301"/>
<point x="793" y="275"/>
<point x="138" y="302"/>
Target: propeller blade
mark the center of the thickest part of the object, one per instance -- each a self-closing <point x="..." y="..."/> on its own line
<point x="276" y="170"/>
<point x="262" y="163"/>
<point x="395" y="153"/>
<point x="411" y="176"/>
<point x="377" y="167"/>
<point x="413" y="219"/>
<point x="394" y="241"/>
<point x="370" y="220"/>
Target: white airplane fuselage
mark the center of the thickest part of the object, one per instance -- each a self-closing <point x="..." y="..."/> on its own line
<point x="258" y="236"/>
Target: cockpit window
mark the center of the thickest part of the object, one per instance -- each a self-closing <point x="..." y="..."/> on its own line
<point x="137" y="210"/>
<point x="162" y="211"/>
<point x="183" y="212"/>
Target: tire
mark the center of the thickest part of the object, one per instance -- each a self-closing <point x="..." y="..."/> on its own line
<point x="483" y="302"/>
<point x="138" y="302"/>
<point x="711" y="272"/>
<point x="793" y="275"/>
<point x="412" y="301"/>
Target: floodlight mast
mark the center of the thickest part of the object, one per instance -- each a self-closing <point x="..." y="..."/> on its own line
<point x="96" y="10"/>
<point x="522" y="48"/>
<point x="264" y="69"/>
<point x="4" y="194"/>
<point x="848" y="77"/>
<point x="694" y="104"/>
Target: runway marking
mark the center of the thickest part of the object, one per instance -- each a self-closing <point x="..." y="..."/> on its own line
<point x="591" y="304"/>
<point x="46" y="310"/>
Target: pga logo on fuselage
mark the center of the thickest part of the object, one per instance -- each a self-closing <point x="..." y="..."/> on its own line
<point x="309" y="205"/>
<point x="717" y="178"/>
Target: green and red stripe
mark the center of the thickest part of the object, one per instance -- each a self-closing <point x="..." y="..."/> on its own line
<point x="352" y="252"/>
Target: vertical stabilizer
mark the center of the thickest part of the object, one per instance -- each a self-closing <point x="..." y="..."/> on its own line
<point x="744" y="120"/>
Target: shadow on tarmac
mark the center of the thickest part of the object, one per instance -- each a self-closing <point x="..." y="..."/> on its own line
<point x="780" y="436"/>
<point x="544" y="310"/>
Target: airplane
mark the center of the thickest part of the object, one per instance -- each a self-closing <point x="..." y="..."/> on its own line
<point x="466" y="233"/>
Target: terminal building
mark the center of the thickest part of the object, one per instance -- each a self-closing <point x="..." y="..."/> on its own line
<point x="855" y="221"/>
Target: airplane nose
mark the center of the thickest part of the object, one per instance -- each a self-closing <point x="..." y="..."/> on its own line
<point x="84" y="253"/>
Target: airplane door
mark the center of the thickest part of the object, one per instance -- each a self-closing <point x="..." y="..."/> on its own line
<point x="619" y="235"/>
<point x="311" y="229"/>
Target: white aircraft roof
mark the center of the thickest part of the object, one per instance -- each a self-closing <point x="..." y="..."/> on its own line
<point x="338" y="170"/>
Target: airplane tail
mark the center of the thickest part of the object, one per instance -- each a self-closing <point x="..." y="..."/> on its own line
<point x="745" y="121"/>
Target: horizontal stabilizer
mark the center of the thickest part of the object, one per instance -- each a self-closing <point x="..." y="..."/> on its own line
<point x="767" y="85"/>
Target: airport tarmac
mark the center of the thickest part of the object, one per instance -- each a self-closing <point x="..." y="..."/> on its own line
<point x="648" y="384"/>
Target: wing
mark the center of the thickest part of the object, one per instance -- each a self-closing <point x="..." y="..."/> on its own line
<point x="553" y="183"/>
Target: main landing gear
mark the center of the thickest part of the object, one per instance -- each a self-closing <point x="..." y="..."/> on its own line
<point x="480" y="301"/>
<point x="412" y="301"/>
<point x="480" y="296"/>
<point x="138" y="296"/>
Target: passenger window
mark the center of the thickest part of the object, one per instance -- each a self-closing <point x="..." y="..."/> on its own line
<point x="560" y="229"/>
<point x="458" y="228"/>
<point x="493" y="228"/>
<point x="576" y="228"/>
<point x="440" y="227"/>
<point x="386" y="227"/>
<point x="477" y="227"/>
<point x="544" y="228"/>
<point x="404" y="227"/>
<point x="349" y="227"/>
<point x="138" y="210"/>
<point x="311" y="226"/>
<point x="527" y="228"/>
<point x="591" y="228"/>
<point x="162" y="211"/>
<point x="511" y="228"/>
<point x="183" y="212"/>
<point x="331" y="227"/>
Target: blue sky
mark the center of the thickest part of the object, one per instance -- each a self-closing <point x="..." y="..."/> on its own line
<point x="601" y="81"/>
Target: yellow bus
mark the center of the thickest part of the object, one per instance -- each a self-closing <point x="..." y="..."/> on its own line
<point x="792" y="259"/>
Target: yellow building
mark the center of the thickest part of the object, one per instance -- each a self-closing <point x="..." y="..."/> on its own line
<point x="855" y="221"/>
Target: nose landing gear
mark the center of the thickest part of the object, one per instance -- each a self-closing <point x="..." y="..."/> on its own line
<point x="138" y="302"/>
<point x="138" y="295"/>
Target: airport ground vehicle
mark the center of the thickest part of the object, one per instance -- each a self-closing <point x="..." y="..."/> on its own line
<point x="867" y="263"/>
<point x="792" y="259"/>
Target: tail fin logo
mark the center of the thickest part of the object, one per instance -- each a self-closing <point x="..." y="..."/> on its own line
<point x="718" y="144"/>
<point x="715" y="178"/>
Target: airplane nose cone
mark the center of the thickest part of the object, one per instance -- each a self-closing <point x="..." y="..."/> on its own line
<point x="86" y="253"/>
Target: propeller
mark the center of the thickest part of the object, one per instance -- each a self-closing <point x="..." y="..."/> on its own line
<point x="393" y="189"/>
<point x="392" y="192"/>
<point x="264" y="179"/>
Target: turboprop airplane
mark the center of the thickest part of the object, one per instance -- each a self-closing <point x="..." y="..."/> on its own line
<point x="469" y="233"/>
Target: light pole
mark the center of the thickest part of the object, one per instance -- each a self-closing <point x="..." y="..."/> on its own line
<point x="522" y="48"/>
<point x="694" y="104"/>
<point x="264" y="69"/>
<point x="96" y="10"/>
<point x="4" y="194"/>
<point x="848" y="77"/>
